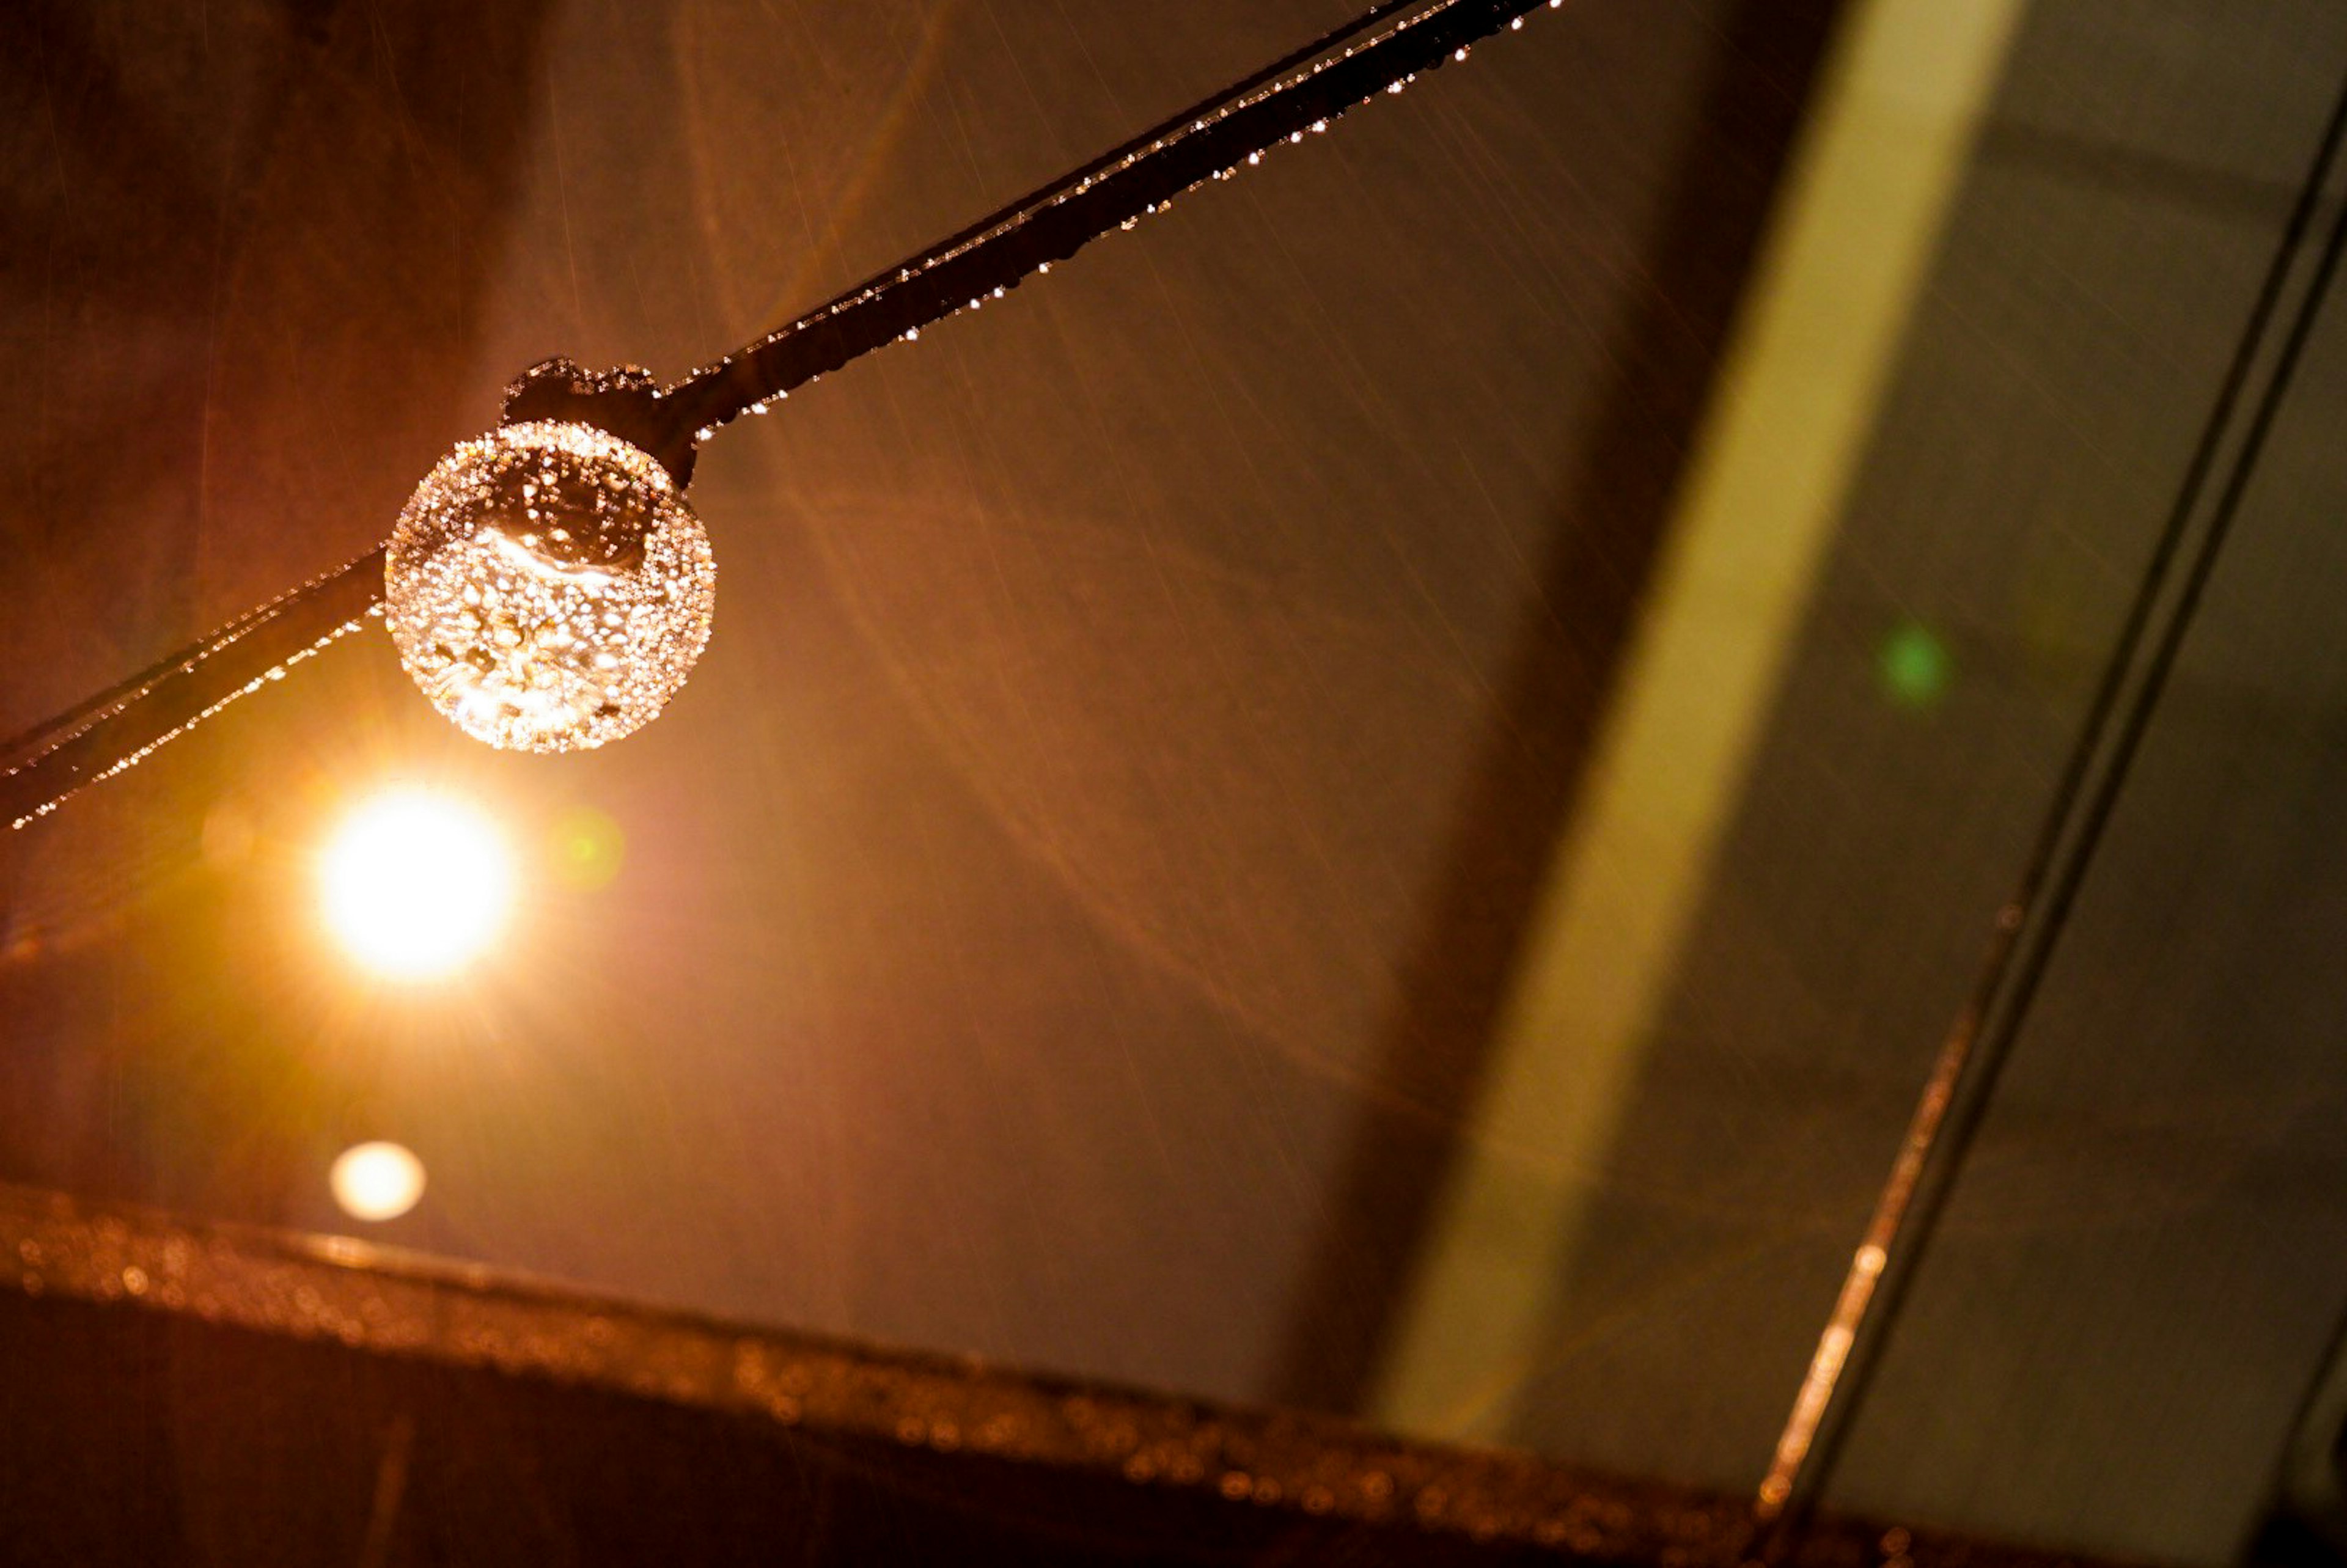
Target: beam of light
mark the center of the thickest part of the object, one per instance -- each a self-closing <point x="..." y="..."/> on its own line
<point x="1791" y="416"/>
<point x="414" y="884"/>
<point x="376" y="1181"/>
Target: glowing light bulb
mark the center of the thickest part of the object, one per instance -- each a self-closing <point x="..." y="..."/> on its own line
<point x="414" y="884"/>
<point x="376" y="1181"/>
<point x="547" y="586"/>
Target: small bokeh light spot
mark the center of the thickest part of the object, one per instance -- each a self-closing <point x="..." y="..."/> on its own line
<point x="376" y="1181"/>
<point x="1913" y="666"/>
<point x="587" y="848"/>
<point x="416" y="883"/>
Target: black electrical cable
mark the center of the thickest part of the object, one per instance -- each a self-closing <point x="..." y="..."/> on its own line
<point x="110" y="732"/>
<point x="1052" y="222"/>
<point x="1011" y="210"/>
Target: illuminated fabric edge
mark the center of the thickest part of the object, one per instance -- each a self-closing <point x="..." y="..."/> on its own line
<point x="389" y="1302"/>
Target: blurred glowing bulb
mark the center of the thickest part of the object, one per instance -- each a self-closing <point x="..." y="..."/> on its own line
<point x="376" y="1181"/>
<point x="416" y="883"/>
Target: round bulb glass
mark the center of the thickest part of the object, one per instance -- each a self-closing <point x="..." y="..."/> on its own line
<point x="547" y="586"/>
<point x="376" y="1181"/>
<point x="414" y="884"/>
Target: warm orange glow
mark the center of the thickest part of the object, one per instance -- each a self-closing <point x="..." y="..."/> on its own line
<point x="377" y="1181"/>
<point x="414" y="884"/>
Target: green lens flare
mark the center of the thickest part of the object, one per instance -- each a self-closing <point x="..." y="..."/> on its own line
<point x="587" y="848"/>
<point x="1913" y="666"/>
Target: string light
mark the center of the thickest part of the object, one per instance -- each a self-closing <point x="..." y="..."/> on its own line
<point x="547" y="586"/>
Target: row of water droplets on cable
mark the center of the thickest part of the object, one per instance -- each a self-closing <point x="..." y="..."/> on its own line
<point x="873" y="292"/>
<point x="187" y="665"/>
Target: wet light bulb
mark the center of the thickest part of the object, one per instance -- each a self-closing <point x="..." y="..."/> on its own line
<point x="414" y="884"/>
<point x="547" y="586"/>
<point x="376" y="1181"/>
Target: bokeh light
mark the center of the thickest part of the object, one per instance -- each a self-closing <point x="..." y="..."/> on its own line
<point x="377" y="1181"/>
<point x="414" y="884"/>
<point x="587" y="848"/>
<point x="1914" y="665"/>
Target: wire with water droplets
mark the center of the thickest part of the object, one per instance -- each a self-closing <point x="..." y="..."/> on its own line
<point x="1380" y="51"/>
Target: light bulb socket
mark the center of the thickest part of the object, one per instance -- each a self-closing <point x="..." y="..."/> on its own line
<point x="625" y="401"/>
